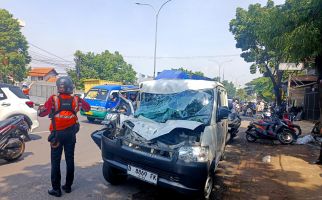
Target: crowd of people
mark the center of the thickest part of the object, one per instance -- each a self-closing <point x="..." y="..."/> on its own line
<point x="249" y="108"/>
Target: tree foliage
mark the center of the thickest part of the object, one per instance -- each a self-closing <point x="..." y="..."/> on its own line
<point x="241" y="94"/>
<point x="263" y="87"/>
<point x="247" y="29"/>
<point x="105" y="66"/>
<point x="230" y="88"/>
<point x="295" y="29"/>
<point x="13" y="49"/>
<point x="270" y="34"/>
<point x="190" y="72"/>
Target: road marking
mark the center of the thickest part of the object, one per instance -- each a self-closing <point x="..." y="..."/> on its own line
<point x="40" y="132"/>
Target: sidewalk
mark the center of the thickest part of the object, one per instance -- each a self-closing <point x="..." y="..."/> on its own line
<point x="287" y="174"/>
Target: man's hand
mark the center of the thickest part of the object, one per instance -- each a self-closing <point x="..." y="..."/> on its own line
<point x="41" y="111"/>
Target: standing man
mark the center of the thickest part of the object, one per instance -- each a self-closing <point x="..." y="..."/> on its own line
<point x="62" y="109"/>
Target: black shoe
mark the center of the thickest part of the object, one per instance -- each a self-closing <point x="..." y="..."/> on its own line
<point x="66" y="189"/>
<point x="56" y="193"/>
<point x="318" y="162"/>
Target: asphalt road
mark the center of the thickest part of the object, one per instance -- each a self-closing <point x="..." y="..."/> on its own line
<point x="29" y="178"/>
<point x="242" y="175"/>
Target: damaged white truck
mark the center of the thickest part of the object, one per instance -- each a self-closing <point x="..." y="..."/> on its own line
<point x="174" y="139"/>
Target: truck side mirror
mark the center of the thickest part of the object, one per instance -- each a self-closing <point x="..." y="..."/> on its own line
<point x="223" y="113"/>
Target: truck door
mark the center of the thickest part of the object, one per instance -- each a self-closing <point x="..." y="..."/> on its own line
<point x="220" y="127"/>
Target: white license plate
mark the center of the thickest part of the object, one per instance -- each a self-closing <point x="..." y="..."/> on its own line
<point x="142" y="174"/>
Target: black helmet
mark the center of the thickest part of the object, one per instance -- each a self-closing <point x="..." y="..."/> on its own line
<point x="65" y="85"/>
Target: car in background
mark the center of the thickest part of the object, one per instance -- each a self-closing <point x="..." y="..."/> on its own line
<point x="14" y="102"/>
<point x="102" y="98"/>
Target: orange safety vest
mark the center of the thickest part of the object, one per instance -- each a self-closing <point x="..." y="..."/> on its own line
<point x="65" y="108"/>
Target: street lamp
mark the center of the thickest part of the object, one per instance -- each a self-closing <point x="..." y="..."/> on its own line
<point x="156" y="29"/>
<point x="220" y="64"/>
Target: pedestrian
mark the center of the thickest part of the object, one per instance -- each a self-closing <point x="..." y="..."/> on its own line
<point x="62" y="109"/>
<point x="26" y="88"/>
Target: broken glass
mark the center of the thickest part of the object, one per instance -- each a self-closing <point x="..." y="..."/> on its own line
<point x="187" y="105"/>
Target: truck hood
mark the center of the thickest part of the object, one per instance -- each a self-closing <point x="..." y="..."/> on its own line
<point x="149" y="129"/>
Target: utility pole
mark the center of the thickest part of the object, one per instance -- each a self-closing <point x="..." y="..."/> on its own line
<point x="156" y="31"/>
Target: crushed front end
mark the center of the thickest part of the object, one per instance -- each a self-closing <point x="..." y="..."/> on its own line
<point x="176" y="158"/>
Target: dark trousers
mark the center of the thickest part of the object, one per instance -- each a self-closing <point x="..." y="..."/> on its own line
<point x="67" y="140"/>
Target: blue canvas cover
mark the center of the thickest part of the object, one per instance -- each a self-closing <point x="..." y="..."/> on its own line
<point x="177" y="74"/>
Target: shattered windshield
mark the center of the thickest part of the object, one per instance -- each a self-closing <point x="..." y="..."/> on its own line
<point x="187" y="105"/>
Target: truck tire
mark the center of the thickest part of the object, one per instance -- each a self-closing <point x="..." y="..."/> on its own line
<point x="113" y="175"/>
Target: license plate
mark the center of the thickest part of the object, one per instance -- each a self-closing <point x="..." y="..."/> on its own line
<point x="89" y="113"/>
<point x="142" y="174"/>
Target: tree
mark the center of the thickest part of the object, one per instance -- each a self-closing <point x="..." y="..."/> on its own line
<point x="230" y="88"/>
<point x="216" y="78"/>
<point x="247" y="27"/>
<point x="299" y="35"/>
<point x="294" y="30"/>
<point x="241" y="94"/>
<point x="263" y="87"/>
<point x="198" y="73"/>
<point x="13" y="49"/>
<point x="105" y="66"/>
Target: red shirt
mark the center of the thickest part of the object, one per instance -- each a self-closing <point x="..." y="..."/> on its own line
<point x="63" y="123"/>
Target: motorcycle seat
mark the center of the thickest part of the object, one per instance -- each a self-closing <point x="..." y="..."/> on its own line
<point x="6" y="122"/>
<point x="263" y="123"/>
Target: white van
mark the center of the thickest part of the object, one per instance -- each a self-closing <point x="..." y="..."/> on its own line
<point x="175" y="138"/>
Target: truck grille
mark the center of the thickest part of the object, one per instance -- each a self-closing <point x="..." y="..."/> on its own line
<point x="148" y="150"/>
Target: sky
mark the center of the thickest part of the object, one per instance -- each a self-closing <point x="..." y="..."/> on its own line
<point x="193" y="34"/>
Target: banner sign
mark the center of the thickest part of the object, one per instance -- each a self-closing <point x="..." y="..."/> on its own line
<point x="291" y="66"/>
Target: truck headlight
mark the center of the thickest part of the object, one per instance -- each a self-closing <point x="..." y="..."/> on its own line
<point x="193" y="154"/>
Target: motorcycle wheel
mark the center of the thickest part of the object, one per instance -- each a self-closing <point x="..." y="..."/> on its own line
<point x="286" y="137"/>
<point x="250" y="137"/>
<point x="15" y="149"/>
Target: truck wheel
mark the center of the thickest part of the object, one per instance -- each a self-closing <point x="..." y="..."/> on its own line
<point x="209" y="185"/>
<point x="90" y="119"/>
<point x="113" y="175"/>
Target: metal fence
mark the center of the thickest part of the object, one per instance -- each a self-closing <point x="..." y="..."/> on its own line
<point x="43" y="89"/>
<point x="311" y="105"/>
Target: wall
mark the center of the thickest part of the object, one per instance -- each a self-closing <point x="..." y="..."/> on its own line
<point x="41" y="90"/>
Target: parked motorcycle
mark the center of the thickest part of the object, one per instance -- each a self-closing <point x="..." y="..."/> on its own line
<point x="13" y="132"/>
<point x="234" y="122"/>
<point x="275" y="130"/>
<point x="269" y="117"/>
